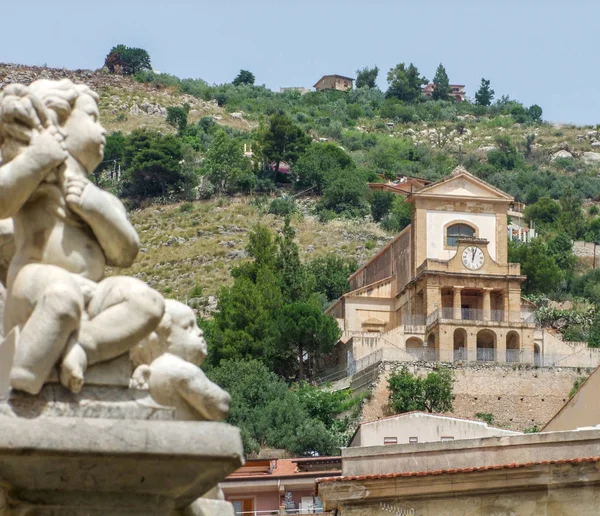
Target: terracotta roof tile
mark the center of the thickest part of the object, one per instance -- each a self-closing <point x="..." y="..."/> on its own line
<point x="457" y="470"/>
<point x="287" y="468"/>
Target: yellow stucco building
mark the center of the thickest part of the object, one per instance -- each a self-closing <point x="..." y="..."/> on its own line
<point x="443" y="288"/>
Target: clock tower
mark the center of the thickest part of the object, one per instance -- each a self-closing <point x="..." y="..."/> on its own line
<point x="443" y="289"/>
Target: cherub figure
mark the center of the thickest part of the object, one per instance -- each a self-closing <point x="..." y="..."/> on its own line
<point x="58" y="306"/>
<point x="170" y="358"/>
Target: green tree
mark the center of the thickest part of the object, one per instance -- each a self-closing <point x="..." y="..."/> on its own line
<point x="295" y="279"/>
<point x="346" y="193"/>
<point x="127" y="60"/>
<point x="535" y="112"/>
<point x="594" y="337"/>
<point x="331" y="274"/>
<point x="269" y="413"/>
<point x="244" y="77"/>
<point x="399" y="216"/>
<point x="381" y="204"/>
<point x="543" y="274"/>
<point x="226" y="166"/>
<point x="152" y="164"/>
<point x="544" y="213"/>
<point x="441" y="85"/>
<point x="283" y="141"/>
<point x="561" y="249"/>
<point x="405" y="83"/>
<point x="505" y="156"/>
<point x="409" y="392"/>
<point x="177" y="116"/>
<point x="367" y="77"/>
<point x="571" y="218"/>
<point x="319" y="162"/>
<point x="113" y="154"/>
<point x="485" y="94"/>
<point x="307" y="330"/>
<point x="245" y="325"/>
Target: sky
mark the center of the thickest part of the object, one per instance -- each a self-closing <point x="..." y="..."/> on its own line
<point x="537" y="52"/>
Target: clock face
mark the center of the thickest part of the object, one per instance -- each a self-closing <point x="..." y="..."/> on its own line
<point x="472" y="258"/>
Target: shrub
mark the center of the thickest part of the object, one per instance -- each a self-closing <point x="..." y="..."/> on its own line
<point x="283" y="206"/>
<point x="432" y="393"/>
<point x="485" y="416"/>
<point x="576" y="385"/>
<point x="381" y="204"/>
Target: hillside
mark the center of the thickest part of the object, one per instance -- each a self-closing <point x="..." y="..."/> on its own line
<point x="195" y="244"/>
<point x="125" y="104"/>
<point x="189" y="244"/>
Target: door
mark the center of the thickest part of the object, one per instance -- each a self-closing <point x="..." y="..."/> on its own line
<point x="243" y="506"/>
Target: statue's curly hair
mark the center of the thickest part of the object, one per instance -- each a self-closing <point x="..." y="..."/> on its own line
<point x="38" y="105"/>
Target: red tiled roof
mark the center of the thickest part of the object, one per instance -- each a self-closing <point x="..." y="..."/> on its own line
<point x="512" y="465"/>
<point x="287" y="468"/>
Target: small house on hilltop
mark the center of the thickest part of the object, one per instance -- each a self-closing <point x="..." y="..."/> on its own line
<point x="457" y="91"/>
<point x="334" y="82"/>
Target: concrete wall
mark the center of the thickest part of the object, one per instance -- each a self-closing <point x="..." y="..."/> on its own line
<point x="517" y="397"/>
<point x="544" y="490"/>
<point x="437" y="221"/>
<point x="425" y="428"/>
<point x="470" y="453"/>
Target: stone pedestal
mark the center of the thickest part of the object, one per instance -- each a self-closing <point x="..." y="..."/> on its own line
<point x="94" y="401"/>
<point x="98" y="467"/>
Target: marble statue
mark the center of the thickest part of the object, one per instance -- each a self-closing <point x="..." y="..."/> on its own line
<point x="66" y="231"/>
<point x="169" y="361"/>
<point x="107" y="449"/>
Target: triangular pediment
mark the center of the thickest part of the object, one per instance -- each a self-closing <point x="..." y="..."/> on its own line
<point x="462" y="184"/>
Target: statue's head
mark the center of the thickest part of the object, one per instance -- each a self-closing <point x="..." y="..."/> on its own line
<point x="71" y="108"/>
<point x="178" y="333"/>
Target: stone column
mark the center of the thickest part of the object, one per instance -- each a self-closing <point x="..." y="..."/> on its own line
<point x="487" y="304"/>
<point x="457" y="302"/>
<point x="471" y="345"/>
<point x="514" y="303"/>
<point x="501" y="346"/>
<point x="433" y="299"/>
<point x="505" y="305"/>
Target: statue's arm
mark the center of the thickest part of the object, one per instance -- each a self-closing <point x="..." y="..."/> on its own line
<point x="107" y="218"/>
<point x="21" y="176"/>
<point x="207" y="398"/>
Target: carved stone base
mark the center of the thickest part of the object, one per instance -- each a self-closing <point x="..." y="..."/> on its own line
<point x="92" y="402"/>
<point x="76" y="467"/>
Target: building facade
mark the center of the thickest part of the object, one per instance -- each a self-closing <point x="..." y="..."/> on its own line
<point x="421" y="427"/>
<point x="278" y="486"/>
<point x="543" y="474"/>
<point x="443" y="289"/>
<point x="334" y="82"/>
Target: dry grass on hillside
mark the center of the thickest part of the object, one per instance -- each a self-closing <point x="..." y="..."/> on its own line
<point x="189" y="244"/>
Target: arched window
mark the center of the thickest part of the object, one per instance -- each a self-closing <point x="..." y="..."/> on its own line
<point x="456" y="231"/>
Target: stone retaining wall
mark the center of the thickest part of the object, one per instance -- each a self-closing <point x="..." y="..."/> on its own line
<point x="518" y="397"/>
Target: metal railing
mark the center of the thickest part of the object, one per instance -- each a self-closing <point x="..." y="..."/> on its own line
<point x="414" y="324"/>
<point x="477" y="315"/>
<point x="486" y="354"/>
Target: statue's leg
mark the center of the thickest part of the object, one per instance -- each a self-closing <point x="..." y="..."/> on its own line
<point x="122" y="312"/>
<point x="46" y="303"/>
